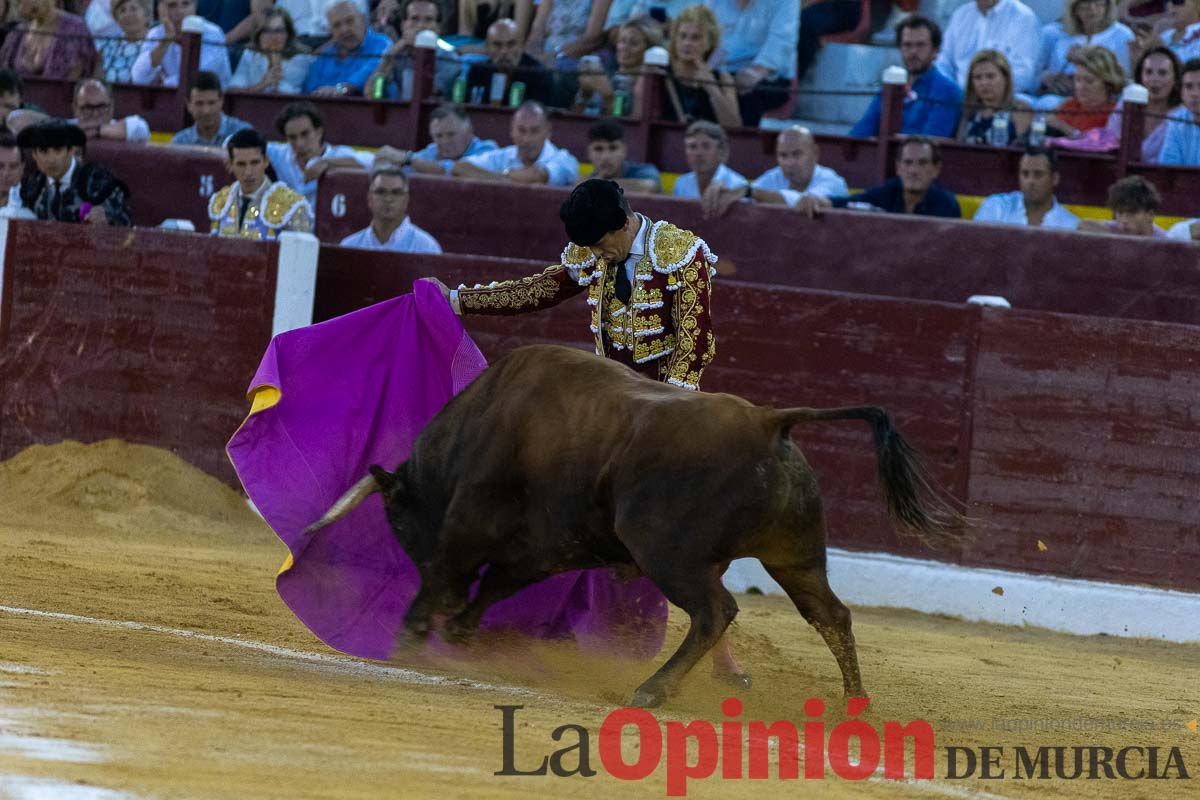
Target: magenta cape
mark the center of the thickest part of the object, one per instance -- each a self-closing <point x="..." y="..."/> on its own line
<point x="331" y="399"/>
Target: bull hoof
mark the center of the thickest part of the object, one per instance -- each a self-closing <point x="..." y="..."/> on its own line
<point x="648" y="698"/>
<point x="457" y="631"/>
<point x="738" y="680"/>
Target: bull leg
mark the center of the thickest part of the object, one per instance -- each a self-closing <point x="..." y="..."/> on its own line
<point x="496" y="585"/>
<point x="725" y="667"/>
<point x="440" y="591"/>
<point x="809" y="589"/>
<point x="711" y="609"/>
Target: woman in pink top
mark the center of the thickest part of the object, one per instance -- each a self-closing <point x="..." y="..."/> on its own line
<point x="1158" y="71"/>
<point x="49" y="44"/>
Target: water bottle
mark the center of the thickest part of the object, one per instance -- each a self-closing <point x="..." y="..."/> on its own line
<point x="622" y="102"/>
<point x="998" y="135"/>
<point x="378" y="87"/>
<point x="15" y="208"/>
<point x="458" y="93"/>
<point x="1037" y="130"/>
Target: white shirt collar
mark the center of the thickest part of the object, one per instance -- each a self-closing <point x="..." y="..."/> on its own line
<point x="65" y="180"/>
<point x="637" y="249"/>
<point x="257" y="193"/>
<point x="401" y="229"/>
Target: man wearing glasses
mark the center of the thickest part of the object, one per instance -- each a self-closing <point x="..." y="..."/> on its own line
<point x="390" y="228"/>
<point x="914" y="190"/>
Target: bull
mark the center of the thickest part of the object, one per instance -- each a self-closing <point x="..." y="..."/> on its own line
<point x="555" y="460"/>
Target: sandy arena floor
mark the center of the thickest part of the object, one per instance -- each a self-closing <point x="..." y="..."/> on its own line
<point x="144" y="653"/>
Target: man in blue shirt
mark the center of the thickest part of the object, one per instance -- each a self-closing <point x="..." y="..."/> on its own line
<point x="344" y="63"/>
<point x="1182" y="142"/>
<point x="914" y="190"/>
<point x="758" y="40"/>
<point x="933" y="102"/>
<point x="607" y="151"/>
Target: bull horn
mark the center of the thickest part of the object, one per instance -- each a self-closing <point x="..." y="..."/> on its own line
<point x="357" y="493"/>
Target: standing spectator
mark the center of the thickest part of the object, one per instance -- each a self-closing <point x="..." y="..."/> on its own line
<point x="453" y="138"/>
<point x="1005" y="25"/>
<point x="1133" y="201"/>
<point x="63" y="188"/>
<point x="252" y="207"/>
<point x="158" y="62"/>
<point x="990" y="92"/>
<point x="531" y="158"/>
<point x="312" y="25"/>
<point x="93" y="107"/>
<point x="344" y="63"/>
<point x="396" y="65"/>
<point x="760" y="50"/>
<point x="706" y="146"/>
<point x="1098" y="82"/>
<point x="932" y="101"/>
<point x="822" y="18"/>
<point x="12" y="166"/>
<point x="1159" y="71"/>
<point x="506" y="56"/>
<point x="1035" y="204"/>
<point x="390" y="228"/>
<point x="49" y="43"/>
<point x="634" y="38"/>
<point x="1181" y="145"/>
<point x="609" y="157"/>
<point x="696" y="90"/>
<point x="277" y="62"/>
<point x="205" y="102"/>
<point x="121" y="50"/>
<point x="306" y="156"/>
<point x="564" y="30"/>
<point x="1087" y="22"/>
<point x="914" y="190"/>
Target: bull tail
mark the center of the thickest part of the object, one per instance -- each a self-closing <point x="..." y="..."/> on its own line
<point x="356" y="494"/>
<point x="912" y="499"/>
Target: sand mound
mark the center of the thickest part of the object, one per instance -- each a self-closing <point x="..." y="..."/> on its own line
<point x="118" y="485"/>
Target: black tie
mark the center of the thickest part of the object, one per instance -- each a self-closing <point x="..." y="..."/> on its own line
<point x="623" y="287"/>
<point x="245" y="205"/>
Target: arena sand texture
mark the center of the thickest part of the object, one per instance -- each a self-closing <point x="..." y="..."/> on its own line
<point x="251" y="705"/>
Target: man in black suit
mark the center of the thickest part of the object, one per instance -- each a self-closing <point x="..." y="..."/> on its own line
<point x="64" y="187"/>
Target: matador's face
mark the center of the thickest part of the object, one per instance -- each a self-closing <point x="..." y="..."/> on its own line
<point x="614" y="246"/>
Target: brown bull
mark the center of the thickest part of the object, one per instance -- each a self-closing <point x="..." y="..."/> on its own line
<point x="556" y="460"/>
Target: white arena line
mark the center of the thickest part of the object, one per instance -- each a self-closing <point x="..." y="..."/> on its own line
<point x="337" y="663"/>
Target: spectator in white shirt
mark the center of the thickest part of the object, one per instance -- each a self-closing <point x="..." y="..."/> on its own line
<point x="531" y="158"/>
<point x="1005" y="25"/>
<point x="309" y="17"/>
<point x="797" y="175"/>
<point x="158" y="62"/>
<point x="390" y="228"/>
<point x="706" y="146"/>
<point x="305" y="157"/>
<point x="1086" y="22"/>
<point x="93" y="107"/>
<point x="1035" y="204"/>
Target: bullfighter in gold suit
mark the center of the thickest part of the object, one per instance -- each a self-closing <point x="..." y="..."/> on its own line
<point x="252" y="207"/>
<point x="648" y="284"/>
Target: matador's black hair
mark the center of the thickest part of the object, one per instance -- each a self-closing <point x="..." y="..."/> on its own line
<point x="595" y="207"/>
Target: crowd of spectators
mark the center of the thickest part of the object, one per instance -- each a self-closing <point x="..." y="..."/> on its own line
<point x="994" y="76"/>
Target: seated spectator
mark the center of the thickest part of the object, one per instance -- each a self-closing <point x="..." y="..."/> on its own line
<point x="633" y="40"/>
<point x="65" y="189"/>
<point x="990" y="92"/>
<point x="158" y="62"/>
<point x="276" y="62"/>
<point x="120" y="51"/>
<point x="1181" y="144"/>
<point x="760" y="50"/>
<point x="531" y="158"/>
<point x="1133" y="202"/>
<point x="49" y="43"/>
<point x="93" y="106"/>
<point x="609" y="157"/>
<point x="396" y="66"/>
<point x="1098" y="82"/>
<point x="507" y="57"/>
<point x="306" y="156"/>
<point x="475" y="18"/>
<point x="1159" y="71"/>
<point x="914" y="190"/>
<point x="205" y="101"/>
<point x="12" y="94"/>
<point x="1182" y="35"/>
<point x="932" y="101"/>
<point x="1005" y="25"/>
<point x="312" y="26"/>
<point x="1087" y="22"/>
<point x="706" y="146"/>
<point x="453" y="138"/>
<point x="240" y="19"/>
<point x="7" y="19"/>
<point x="564" y="30"/>
<point x="823" y="18"/>
<point x="348" y="59"/>
<point x="252" y="207"/>
<point x="12" y="166"/>
<point x="390" y="228"/>
<point x="695" y="90"/>
<point x="1186" y="231"/>
<point x="98" y="16"/>
<point x="1035" y="204"/>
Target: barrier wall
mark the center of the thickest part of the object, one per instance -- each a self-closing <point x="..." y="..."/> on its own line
<point x="166" y="183"/>
<point x="143" y="335"/>
<point x="892" y="255"/>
